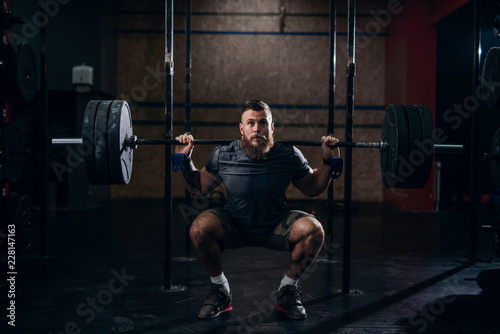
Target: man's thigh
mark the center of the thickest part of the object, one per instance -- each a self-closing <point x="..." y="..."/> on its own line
<point x="232" y="235"/>
<point x="279" y="237"/>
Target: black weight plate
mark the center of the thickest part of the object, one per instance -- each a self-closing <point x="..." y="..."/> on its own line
<point x="422" y="146"/>
<point x="489" y="280"/>
<point x="490" y="77"/>
<point x="101" y="143"/>
<point x="388" y="157"/>
<point x="396" y="133"/>
<point x="8" y="79"/>
<point x="495" y="235"/>
<point x="3" y="213"/>
<point x="18" y="211"/>
<point x="18" y="76"/>
<point x="495" y="164"/>
<point x="415" y="136"/>
<point x="496" y="243"/>
<point x="2" y="153"/>
<point x="14" y="162"/>
<point x="25" y="223"/>
<point x="119" y="128"/>
<point x="427" y="143"/>
<point x="26" y="73"/>
<point x="88" y="142"/>
<point x="496" y="26"/>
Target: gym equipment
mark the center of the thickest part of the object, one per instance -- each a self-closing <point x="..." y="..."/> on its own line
<point x="107" y="127"/>
<point x="18" y="76"/>
<point x="496" y="25"/>
<point x="2" y="154"/>
<point x="18" y="211"/>
<point x="409" y="134"/>
<point x="406" y="146"/>
<point x="489" y="281"/>
<point x="490" y="77"/>
<point x="15" y="152"/>
<point x="495" y="233"/>
<point x="494" y="158"/>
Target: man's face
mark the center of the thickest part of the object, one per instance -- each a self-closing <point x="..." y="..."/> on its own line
<point x="256" y="127"/>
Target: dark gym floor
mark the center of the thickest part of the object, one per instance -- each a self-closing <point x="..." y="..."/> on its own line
<point x="104" y="274"/>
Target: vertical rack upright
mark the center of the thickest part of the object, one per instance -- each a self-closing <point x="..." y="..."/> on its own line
<point x="350" y="73"/>
<point x="169" y="106"/>
<point x="331" y="115"/>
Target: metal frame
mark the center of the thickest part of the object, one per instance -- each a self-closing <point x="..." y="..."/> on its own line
<point x="331" y="114"/>
<point x="45" y="147"/>
<point x="169" y="107"/>
<point x="351" y="73"/>
<point x="348" y="144"/>
<point x="187" y="120"/>
<point x="473" y="178"/>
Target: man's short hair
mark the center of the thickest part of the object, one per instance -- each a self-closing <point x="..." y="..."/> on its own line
<point x="257" y="105"/>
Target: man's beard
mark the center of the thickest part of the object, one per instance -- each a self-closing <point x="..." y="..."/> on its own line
<point x="258" y="151"/>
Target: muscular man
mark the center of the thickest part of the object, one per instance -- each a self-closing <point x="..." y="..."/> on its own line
<point x="256" y="172"/>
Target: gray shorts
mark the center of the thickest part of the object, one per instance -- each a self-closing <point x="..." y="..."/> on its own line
<point x="277" y="239"/>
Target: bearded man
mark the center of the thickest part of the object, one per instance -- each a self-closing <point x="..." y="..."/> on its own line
<point x="256" y="172"/>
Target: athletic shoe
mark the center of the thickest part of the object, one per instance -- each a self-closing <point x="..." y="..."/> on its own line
<point x="217" y="302"/>
<point x="289" y="302"/>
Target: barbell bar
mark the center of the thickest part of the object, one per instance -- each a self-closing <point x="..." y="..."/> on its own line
<point x="134" y="142"/>
<point x="406" y="146"/>
<point x="382" y="145"/>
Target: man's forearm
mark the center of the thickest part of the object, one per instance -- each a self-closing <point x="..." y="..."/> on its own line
<point x="321" y="179"/>
<point x="191" y="178"/>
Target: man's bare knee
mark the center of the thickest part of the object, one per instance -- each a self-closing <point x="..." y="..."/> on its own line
<point x="206" y="225"/>
<point x="319" y="232"/>
<point x="307" y="228"/>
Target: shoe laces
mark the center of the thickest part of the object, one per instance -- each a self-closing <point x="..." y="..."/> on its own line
<point x="295" y="293"/>
<point x="216" y="296"/>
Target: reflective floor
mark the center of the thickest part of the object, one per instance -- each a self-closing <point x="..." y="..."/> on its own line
<point x="104" y="273"/>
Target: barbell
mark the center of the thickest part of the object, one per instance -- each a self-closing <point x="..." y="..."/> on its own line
<point x="406" y="145"/>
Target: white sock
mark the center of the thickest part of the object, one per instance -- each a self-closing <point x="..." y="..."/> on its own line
<point x="221" y="279"/>
<point x="287" y="281"/>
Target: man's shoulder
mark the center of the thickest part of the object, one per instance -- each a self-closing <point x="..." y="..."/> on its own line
<point x="231" y="147"/>
<point x="280" y="147"/>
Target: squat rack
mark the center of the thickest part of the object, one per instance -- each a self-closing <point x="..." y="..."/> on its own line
<point x="169" y="72"/>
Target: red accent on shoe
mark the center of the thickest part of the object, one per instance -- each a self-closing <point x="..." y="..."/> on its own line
<point x="226" y="309"/>
<point x="280" y="308"/>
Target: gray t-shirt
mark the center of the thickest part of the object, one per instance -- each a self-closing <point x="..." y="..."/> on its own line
<point x="256" y="188"/>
